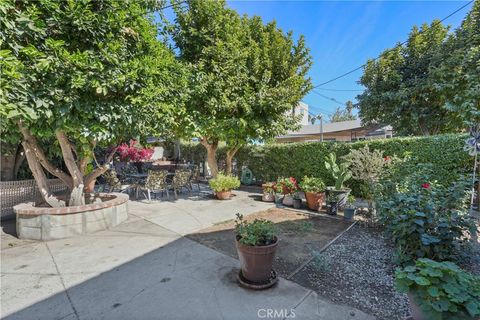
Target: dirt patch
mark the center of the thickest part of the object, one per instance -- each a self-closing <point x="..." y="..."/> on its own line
<point x="301" y="236"/>
<point x="357" y="270"/>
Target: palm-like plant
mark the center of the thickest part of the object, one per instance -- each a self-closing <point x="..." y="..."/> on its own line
<point x="339" y="172"/>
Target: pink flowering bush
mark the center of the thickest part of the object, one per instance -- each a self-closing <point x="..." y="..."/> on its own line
<point x="134" y="152"/>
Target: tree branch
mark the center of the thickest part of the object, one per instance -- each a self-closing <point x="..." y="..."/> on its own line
<point x="33" y="143"/>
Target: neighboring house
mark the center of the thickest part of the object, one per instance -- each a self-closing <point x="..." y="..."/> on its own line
<point x="302" y="110"/>
<point x="336" y="131"/>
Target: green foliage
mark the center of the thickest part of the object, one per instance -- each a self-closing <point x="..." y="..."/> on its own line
<point x="351" y="201"/>
<point x="92" y="69"/>
<point x="224" y="183"/>
<point x="259" y="232"/>
<point x="423" y="219"/>
<point x="443" y="152"/>
<point x="312" y="184"/>
<point x="287" y="185"/>
<point x="400" y="90"/>
<point x="441" y="289"/>
<point x="343" y="114"/>
<point x="245" y="74"/>
<point x="339" y="172"/>
<point x="268" y="187"/>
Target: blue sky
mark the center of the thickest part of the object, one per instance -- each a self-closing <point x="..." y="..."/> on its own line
<point x="342" y="35"/>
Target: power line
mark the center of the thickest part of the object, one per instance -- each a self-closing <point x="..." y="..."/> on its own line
<point x="329" y="98"/>
<point x="344" y="90"/>
<point x="379" y="56"/>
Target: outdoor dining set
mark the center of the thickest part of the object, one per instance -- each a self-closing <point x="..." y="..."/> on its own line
<point x="152" y="181"/>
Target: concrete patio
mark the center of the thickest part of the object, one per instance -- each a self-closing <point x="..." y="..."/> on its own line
<point x="146" y="269"/>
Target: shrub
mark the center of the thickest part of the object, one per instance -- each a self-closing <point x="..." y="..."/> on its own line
<point x="259" y="232"/>
<point x="339" y="172"/>
<point x="441" y="289"/>
<point x="288" y="185"/>
<point x="426" y="220"/>
<point x="312" y="184"/>
<point x="268" y="187"/>
<point x="224" y="183"/>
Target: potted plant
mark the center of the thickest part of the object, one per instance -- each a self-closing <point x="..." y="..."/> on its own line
<point x="340" y="174"/>
<point x="314" y="189"/>
<point x="332" y="204"/>
<point x="289" y="187"/>
<point x="349" y="210"/>
<point x="439" y="290"/>
<point x="222" y="185"/>
<point x="256" y="244"/>
<point x="268" y="192"/>
<point x="278" y="190"/>
<point x="297" y="201"/>
<point x="135" y="153"/>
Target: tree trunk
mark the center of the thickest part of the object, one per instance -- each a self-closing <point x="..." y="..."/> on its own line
<point x="77" y="197"/>
<point x="229" y="159"/>
<point x="40" y="177"/>
<point x="211" y="155"/>
<point x="19" y="158"/>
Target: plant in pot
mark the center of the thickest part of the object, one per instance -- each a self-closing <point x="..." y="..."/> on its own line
<point x="332" y="204"/>
<point x="268" y="192"/>
<point x="256" y="243"/>
<point x="314" y="189"/>
<point x="297" y="200"/>
<point x="289" y="187"/>
<point x="222" y="185"/>
<point x="349" y="210"/>
<point x="278" y="192"/>
<point x="340" y="174"/>
<point x="134" y="152"/>
<point x="439" y="290"/>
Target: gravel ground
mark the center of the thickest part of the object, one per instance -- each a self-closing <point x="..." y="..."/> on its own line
<point x="356" y="270"/>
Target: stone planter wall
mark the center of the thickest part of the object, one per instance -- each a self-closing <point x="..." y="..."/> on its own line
<point x="38" y="223"/>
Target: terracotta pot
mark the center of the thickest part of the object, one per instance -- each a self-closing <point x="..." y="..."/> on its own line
<point x="89" y="188"/>
<point x="417" y="313"/>
<point x="314" y="200"/>
<point x="256" y="261"/>
<point x="223" y="195"/>
<point x="268" y="197"/>
<point x="288" y="200"/>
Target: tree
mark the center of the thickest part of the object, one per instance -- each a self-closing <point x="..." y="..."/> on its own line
<point x="400" y="89"/>
<point x="245" y="76"/>
<point x="82" y="74"/>
<point x="343" y="114"/>
<point x="458" y="74"/>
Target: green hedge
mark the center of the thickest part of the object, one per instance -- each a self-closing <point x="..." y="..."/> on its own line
<point x="267" y="162"/>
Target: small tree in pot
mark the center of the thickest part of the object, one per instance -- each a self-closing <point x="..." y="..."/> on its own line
<point x="314" y="189"/>
<point x="340" y="174"/>
<point x="349" y="210"/>
<point x="222" y="185"/>
<point x="439" y="290"/>
<point x="256" y="243"/>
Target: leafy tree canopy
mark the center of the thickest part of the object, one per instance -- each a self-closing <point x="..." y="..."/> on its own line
<point x="245" y="75"/>
<point x="83" y="73"/>
<point x="343" y="114"/>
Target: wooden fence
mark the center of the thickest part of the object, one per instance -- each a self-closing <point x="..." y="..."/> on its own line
<point x="16" y="192"/>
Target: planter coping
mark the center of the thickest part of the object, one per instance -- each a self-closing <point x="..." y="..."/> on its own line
<point x="29" y="208"/>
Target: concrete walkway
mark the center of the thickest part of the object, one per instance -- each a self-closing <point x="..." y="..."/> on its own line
<point x="145" y="269"/>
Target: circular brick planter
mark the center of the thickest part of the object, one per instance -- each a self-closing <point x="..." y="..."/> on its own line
<point x="42" y="223"/>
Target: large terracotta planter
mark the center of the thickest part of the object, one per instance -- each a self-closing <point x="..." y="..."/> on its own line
<point x="268" y="197"/>
<point x="314" y="200"/>
<point x="256" y="261"/>
<point x="223" y="195"/>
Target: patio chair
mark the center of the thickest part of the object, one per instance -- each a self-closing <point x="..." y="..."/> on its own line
<point x="181" y="180"/>
<point x="156" y="182"/>
<point x="195" y="177"/>
<point x="113" y="183"/>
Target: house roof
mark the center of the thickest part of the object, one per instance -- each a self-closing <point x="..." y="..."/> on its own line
<point x="314" y="129"/>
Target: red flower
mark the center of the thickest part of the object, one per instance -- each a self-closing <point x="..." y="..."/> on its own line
<point x="426" y="185"/>
<point x="387" y="158"/>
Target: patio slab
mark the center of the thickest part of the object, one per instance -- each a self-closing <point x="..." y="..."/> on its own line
<point x="142" y="269"/>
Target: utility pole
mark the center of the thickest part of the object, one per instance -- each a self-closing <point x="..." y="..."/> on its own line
<point x="320" y="116"/>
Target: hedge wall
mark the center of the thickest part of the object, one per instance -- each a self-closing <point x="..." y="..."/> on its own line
<point x="268" y="162"/>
